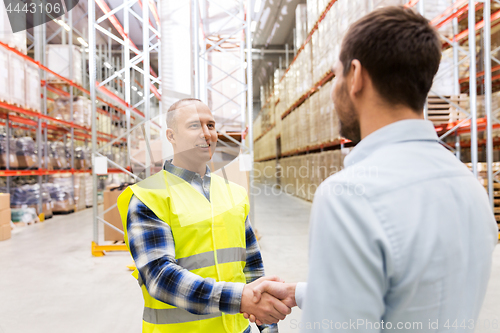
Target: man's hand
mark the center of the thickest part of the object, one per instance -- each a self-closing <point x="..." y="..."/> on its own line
<point x="266" y="307"/>
<point x="282" y="291"/>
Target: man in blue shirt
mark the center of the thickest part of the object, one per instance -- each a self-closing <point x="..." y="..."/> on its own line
<point x="402" y="238"/>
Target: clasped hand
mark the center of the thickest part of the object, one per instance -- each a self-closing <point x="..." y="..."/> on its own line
<point x="267" y="300"/>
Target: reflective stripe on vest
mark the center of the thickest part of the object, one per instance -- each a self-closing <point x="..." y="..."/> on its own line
<point x="206" y="259"/>
<point x="173" y="316"/>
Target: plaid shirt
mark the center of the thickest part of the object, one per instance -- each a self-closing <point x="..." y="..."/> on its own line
<point x="153" y="249"/>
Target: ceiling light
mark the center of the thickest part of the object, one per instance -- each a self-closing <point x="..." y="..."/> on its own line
<point x="245" y="65"/>
<point x="82" y="41"/>
<point x="253" y="27"/>
<point x="257" y="4"/>
<point x="107" y="64"/>
<point x="134" y="88"/>
<point x="139" y="93"/>
<point x="63" y="24"/>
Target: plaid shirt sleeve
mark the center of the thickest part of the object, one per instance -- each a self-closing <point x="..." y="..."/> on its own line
<point x="152" y="247"/>
<point x="254" y="268"/>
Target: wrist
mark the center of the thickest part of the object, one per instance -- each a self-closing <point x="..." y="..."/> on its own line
<point x="291" y="288"/>
<point x="230" y="297"/>
<point x="246" y="297"/>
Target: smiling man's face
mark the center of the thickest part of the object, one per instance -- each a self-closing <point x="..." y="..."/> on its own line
<point x="194" y="136"/>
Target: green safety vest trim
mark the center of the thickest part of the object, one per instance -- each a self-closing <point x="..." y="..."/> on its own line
<point x="206" y="259"/>
<point x="173" y="316"/>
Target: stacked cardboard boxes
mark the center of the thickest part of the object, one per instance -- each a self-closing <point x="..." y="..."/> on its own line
<point x="302" y="175"/>
<point x="266" y="146"/>
<point x="5" y="229"/>
<point x="265" y="172"/>
<point x="88" y="190"/>
<point x="315" y="122"/>
<point x="58" y="60"/>
<point x="81" y="112"/>
<point x="113" y="216"/>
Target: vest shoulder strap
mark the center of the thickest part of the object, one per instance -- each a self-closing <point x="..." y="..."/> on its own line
<point x="153" y="192"/>
<point x="237" y="193"/>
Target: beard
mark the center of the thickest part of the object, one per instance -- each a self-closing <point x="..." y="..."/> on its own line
<point x="348" y="117"/>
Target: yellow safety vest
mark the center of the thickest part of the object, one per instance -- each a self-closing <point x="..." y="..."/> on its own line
<point x="209" y="241"/>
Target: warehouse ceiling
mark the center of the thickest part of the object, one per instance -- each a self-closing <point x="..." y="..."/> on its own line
<point x="80" y="24"/>
<point x="275" y="25"/>
<point x="276" y="21"/>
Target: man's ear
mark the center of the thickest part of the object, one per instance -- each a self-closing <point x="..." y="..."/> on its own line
<point x="170" y="135"/>
<point x="356" y="82"/>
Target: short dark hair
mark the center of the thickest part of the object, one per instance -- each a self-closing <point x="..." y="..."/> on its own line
<point x="171" y="121"/>
<point x="400" y="51"/>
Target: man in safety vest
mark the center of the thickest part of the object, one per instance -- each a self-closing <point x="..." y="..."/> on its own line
<point x="188" y="231"/>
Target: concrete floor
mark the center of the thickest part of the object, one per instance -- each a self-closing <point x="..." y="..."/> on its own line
<point x="49" y="282"/>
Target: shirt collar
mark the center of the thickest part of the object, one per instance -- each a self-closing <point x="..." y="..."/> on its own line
<point x="400" y="131"/>
<point x="185" y="174"/>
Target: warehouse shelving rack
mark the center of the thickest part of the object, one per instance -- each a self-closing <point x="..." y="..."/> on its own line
<point x="23" y="119"/>
<point x="225" y="31"/>
<point x="326" y="77"/>
<point x="471" y="124"/>
<point x="53" y="129"/>
<point x="126" y="71"/>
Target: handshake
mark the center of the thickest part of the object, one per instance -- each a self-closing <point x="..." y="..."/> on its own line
<point x="267" y="300"/>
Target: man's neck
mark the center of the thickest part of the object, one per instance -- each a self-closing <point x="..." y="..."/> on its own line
<point x="376" y="119"/>
<point x="200" y="169"/>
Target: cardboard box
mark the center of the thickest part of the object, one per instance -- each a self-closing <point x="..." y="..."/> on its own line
<point x="4" y="201"/>
<point x="12" y="161"/>
<point x="5" y="232"/>
<point x="110" y="186"/>
<point x="112" y="217"/>
<point x="63" y="206"/>
<point x="5" y="216"/>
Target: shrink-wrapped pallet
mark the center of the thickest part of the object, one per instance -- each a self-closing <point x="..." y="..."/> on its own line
<point x="82" y="158"/>
<point x="312" y="14"/>
<point x="32" y="88"/>
<point x="17" y="80"/>
<point x="58" y="60"/>
<point x="12" y="153"/>
<point x="291" y="86"/>
<point x="28" y="196"/>
<point x="15" y="40"/>
<point x="57" y="156"/>
<point x="26" y="153"/>
<point x="337" y="161"/>
<point x="322" y="167"/>
<point x="80" y="191"/>
<point x="62" y="109"/>
<point x="257" y="126"/>
<point x="303" y="125"/>
<point x="313" y="119"/>
<point x="61" y="196"/>
<point x="4" y="76"/>
<point x="88" y="190"/>
<point x="82" y="111"/>
<point x="300" y="24"/>
<point x="293" y="130"/>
